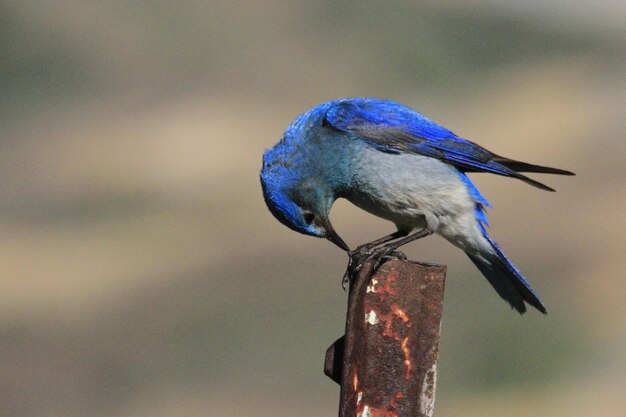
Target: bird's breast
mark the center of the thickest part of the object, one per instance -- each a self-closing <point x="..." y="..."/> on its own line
<point x="406" y="188"/>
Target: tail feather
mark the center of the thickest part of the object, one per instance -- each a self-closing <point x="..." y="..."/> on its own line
<point x="512" y="168"/>
<point x="520" y="166"/>
<point x="506" y="279"/>
<point x="532" y="182"/>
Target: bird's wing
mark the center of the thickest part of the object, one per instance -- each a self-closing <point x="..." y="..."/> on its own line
<point x="391" y="127"/>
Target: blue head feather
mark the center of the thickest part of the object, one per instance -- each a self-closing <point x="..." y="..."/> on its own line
<point x="289" y="171"/>
<point x="276" y="180"/>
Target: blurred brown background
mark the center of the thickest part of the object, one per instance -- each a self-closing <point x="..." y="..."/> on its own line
<point x="141" y="274"/>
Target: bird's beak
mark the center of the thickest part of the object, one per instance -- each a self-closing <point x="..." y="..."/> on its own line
<point x="334" y="237"/>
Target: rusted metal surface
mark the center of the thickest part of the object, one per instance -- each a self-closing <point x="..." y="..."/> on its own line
<point x="389" y="359"/>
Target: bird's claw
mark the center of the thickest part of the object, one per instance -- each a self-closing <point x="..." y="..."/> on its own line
<point x="395" y="254"/>
<point x="358" y="258"/>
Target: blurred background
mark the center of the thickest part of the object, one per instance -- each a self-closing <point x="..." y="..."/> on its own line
<point x="142" y="275"/>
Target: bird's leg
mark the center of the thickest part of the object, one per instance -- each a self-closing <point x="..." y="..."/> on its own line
<point x="359" y="255"/>
<point x="385" y="239"/>
<point x="391" y="249"/>
<point x="364" y="252"/>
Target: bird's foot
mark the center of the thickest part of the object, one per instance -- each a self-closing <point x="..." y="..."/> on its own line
<point x="380" y="255"/>
<point x="358" y="258"/>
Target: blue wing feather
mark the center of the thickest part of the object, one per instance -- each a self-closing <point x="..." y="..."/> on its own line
<point x="392" y="127"/>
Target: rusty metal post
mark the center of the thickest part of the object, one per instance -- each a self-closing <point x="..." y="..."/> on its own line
<point x="386" y="363"/>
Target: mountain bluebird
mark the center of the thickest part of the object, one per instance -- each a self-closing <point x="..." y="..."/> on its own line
<point x="398" y="165"/>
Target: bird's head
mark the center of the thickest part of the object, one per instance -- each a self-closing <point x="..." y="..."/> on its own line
<point x="302" y="205"/>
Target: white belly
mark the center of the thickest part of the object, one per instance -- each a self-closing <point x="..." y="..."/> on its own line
<point x="415" y="191"/>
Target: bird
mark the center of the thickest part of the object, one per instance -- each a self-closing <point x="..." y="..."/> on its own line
<point x="396" y="164"/>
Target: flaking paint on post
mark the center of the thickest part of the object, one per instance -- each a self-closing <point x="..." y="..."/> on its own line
<point x="371" y="318"/>
<point x="427" y="396"/>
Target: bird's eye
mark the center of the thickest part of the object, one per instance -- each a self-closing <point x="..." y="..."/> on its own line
<point x="308" y="217"/>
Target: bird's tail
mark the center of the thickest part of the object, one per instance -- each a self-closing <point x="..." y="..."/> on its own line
<point x="505" y="278"/>
<point x="520" y="166"/>
<point x="511" y="168"/>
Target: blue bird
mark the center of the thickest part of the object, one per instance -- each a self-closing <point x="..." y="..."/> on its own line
<point x="398" y="165"/>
